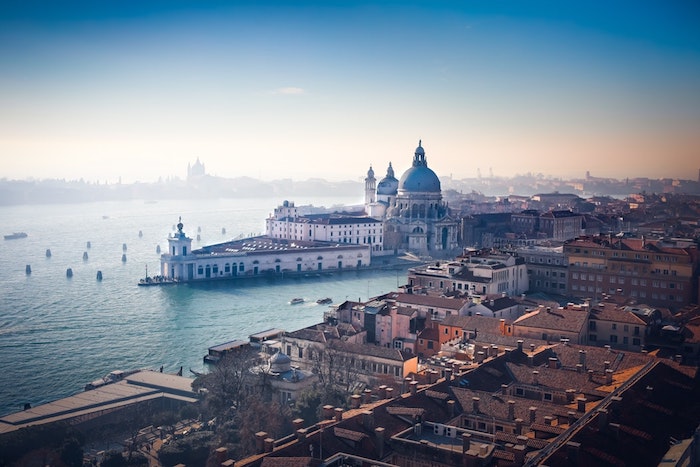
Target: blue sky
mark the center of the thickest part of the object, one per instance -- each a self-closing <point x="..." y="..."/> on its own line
<point x="104" y="89"/>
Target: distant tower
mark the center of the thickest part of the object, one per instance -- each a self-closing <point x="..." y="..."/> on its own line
<point x="588" y="174"/>
<point x="698" y="175"/>
<point x="196" y="170"/>
<point x="370" y="187"/>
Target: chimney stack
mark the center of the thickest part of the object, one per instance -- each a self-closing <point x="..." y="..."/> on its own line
<point x="451" y="408"/>
<point x="536" y="377"/>
<point x="590" y="375"/>
<point x="520" y="345"/>
<point x="338" y="414"/>
<point x="475" y="404"/>
<point x="518" y="426"/>
<point x="466" y="442"/>
<point x="511" y="410"/>
<point x="301" y="434"/>
<point x="448" y="374"/>
<point x="298" y="423"/>
<point x="260" y="441"/>
<point x="582" y="358"/>
<point x="389" y="393"/>
<point x="570" y="393"/>
<point x="379" y="435"/>
<point x="382" y="391"/>
<point x="504" y="389"/>
<point x="552" y="363"/>
<point x="327" y="412"/>
<point x="414" y="387"/>
<point x="368" y="419"/>
<point x="606" y="364"/>
<point x="533" y="414"/>
<point x="269" y="444"/>
<point x="355" y="401"/>
<point x="608" y="377"/>
<point x="581" y="404"/>
<point x="367" y="396"/>
<point x="479" y="356"/>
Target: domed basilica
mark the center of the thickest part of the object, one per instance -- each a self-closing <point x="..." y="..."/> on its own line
<point x="415" y="217"/>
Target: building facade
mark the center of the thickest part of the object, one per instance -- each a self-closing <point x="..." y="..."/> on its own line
<point x="257" y="256"/>
<point x="650" y="271"/>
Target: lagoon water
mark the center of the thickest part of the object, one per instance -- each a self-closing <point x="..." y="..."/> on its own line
<point x="59" y="333"/>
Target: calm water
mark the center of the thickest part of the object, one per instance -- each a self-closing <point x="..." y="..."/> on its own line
<point x="57" y="334"/>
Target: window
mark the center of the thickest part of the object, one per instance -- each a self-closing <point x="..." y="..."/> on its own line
<point x="519" y="392"/>
<point x="613" y="338"/>
<point x="547" y="396"/>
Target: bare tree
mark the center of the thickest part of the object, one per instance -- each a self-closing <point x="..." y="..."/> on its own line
<point x="336" y="368"/>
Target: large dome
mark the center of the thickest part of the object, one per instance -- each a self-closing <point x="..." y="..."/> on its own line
<point x="419" y="178"/>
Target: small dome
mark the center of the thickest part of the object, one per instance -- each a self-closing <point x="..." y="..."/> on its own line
<point x="389" y="184"/>
<point x="280" y="362"/>
<point x="370" y="172"/>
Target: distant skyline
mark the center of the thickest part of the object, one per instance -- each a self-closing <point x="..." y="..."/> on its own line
<point x="300" y="89"/>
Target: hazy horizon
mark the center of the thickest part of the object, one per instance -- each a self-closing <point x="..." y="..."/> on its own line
<point x="298" y="90"/>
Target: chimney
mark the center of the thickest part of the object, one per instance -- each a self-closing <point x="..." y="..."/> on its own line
<point x="260" y="441"/>
<point x="502" y="326"/>
<point x="536" y="377"/>
<point x="581" y="404"/>
<point x="602" y="419"/>
<point x="579" y="368"/>
<point x="389" y="393"/>
<point x="590" y="375"/>
<point x="533" y="414"/>
<point x="519" y="452"/>
<point x="480" y="356"/>
<point x="572" y="417"/>
<point x="572" y="449"/>
<point x="493" y="350"/>
<point x="406" y="385"/>
<point x="520" y="345"/>
<point x="338" y="414"/>
<point x="532" y="347"/>
<point x="221" y="454"/>
<point x="298" y="423"/>
<point x="327" y="412"/>
<point x="518" y="426"/>
<point x="475" y="404"/>
<point x="448" y="374"/>
<point x="606" y="364"/>
<point x="570" y="393"/>
<point x="504" y="389"/>
<point x="379" y="435"/>
<point x="301" y="434"/>
<point x="466" y="442"/>
<point x="367" y="396"/>
<point x="355" y="400"/>
<point x="582" y="358"/>
<point x="382" y="391"/>
<point x="451" y="408"/>
<point x="548" y="419"/>
<point x="552" y="363"/>
<point x="511" y="410"/>
<point x="608" y="377"/>
<point x="414" y="387"/>
<point x="269" y="444"/>
<point x="368" y="419"/>
<point x="521" y="440"/>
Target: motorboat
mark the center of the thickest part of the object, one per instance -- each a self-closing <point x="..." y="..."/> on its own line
<point x="324" y="301"/>
<point x="296" y="301"/>
<point x="15" y="235"/>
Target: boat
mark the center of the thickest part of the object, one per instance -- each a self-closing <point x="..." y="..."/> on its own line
<point x="15" y="235"/>
<point x="324" y="301"/>
<point x="296" y="301"/>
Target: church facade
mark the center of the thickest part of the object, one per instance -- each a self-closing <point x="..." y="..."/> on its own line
<point x="415" y="217"/>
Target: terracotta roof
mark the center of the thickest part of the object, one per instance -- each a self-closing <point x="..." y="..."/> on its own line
<point x="426" y="300"/>
<point x="560" y="319"/>
<point x="486" y="324"/>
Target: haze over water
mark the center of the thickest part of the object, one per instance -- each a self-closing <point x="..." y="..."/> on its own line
<point x="57" y="334"/>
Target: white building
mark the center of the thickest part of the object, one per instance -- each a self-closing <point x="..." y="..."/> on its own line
<point x="256" y="256"/>
<point x="286" y="223"/>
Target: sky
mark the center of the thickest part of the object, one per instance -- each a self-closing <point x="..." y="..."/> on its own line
<point x="105" y="90"/>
